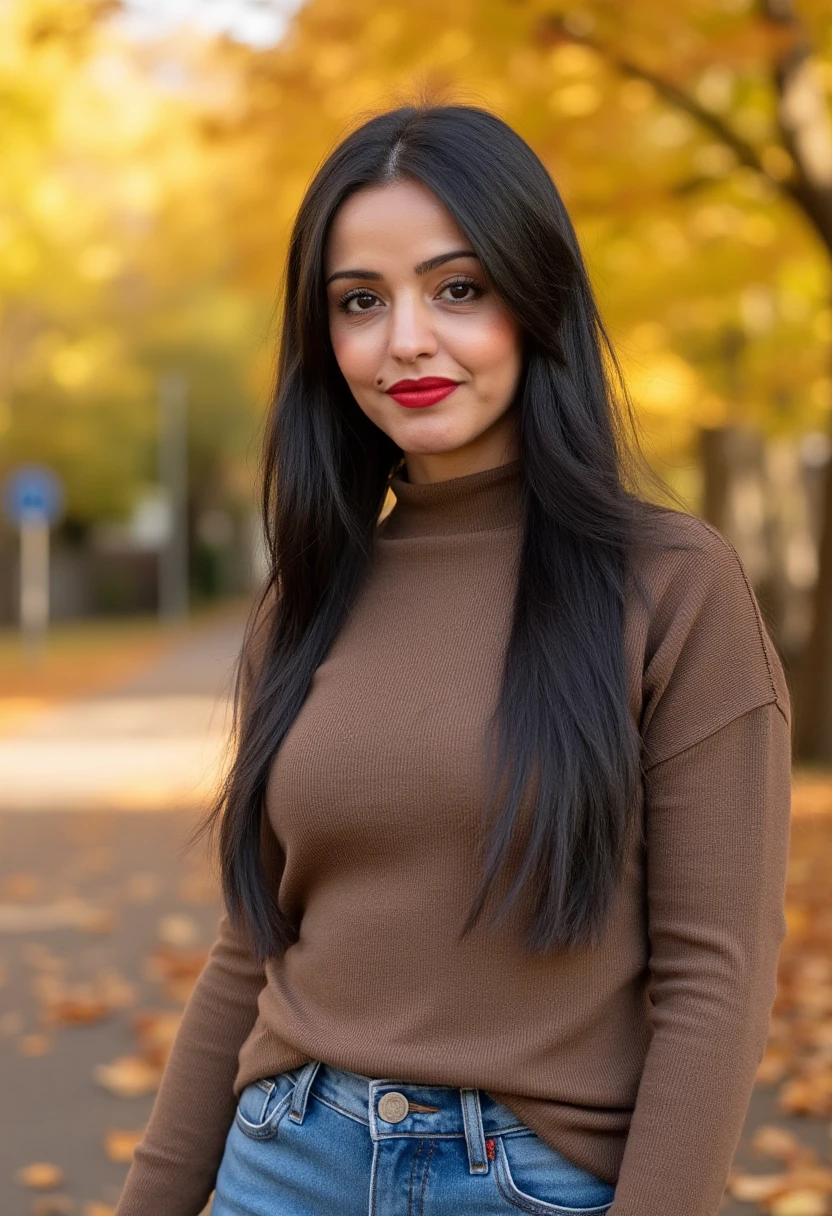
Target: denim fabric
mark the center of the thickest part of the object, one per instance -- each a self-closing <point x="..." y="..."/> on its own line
<point x="312" y="1142"/>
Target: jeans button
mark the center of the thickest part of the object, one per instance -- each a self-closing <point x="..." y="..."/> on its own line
<point x="393" y="1107"/>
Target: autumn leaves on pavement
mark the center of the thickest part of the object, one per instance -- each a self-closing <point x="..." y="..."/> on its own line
<point x="105" y="921"/>
<point x="64" y="1005"/>
<point x="794" y="1178"/>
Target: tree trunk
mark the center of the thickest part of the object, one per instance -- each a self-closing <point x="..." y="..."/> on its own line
<point x="813" y="691"/>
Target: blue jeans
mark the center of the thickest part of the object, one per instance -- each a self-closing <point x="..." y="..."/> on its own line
<point x="319" y="1141"/>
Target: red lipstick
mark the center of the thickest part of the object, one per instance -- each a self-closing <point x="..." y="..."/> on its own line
<point x="426" y="391"/>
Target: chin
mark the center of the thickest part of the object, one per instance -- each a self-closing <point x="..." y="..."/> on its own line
<point x="431" y="449"/>
<point x="423" y="438"/>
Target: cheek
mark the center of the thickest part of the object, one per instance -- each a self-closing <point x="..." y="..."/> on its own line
<point x="355" y="352"/>
<point x="492" y="346"/>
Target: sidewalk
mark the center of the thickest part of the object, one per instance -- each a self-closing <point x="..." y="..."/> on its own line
<point x="149" y="737"/>
<point x="105" y="919"/>
<point x="105" y="922"/>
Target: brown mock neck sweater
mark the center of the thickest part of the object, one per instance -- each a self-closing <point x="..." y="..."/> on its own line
<point x="635" y="1058"/>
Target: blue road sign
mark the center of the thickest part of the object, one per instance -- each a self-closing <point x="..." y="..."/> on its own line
<point x="32" y="493"/>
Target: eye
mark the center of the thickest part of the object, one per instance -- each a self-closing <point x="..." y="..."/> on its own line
<point x="357" y="293"/>
<point x="466" y="283"/>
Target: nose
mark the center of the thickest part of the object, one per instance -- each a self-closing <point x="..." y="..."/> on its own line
<point x="411" y="329"/>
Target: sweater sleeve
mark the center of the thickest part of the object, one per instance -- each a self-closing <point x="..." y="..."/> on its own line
<point x="717" y="845"/>
<point x="175" y="1165"/>
<point x="717" y="802"/>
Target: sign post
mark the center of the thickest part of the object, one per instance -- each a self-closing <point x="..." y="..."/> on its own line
<point x="173" y="477"/>
<point x="33" y="501"/>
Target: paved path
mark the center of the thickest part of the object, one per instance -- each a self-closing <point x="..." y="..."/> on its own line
<point x="203" y="667"/>
<point x="85" y="899"/>
<point x="89" y="894"/>
<point x="155" y="742"/>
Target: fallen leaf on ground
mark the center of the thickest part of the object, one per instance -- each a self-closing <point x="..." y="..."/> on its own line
<point x="176" y="970"/>
<point x="755" y="1188"/>
<point x="802" y="1191"/>
<point x="40" y="1175"/>
<point x="177" y="930"/>
<point x="115" y="988"/>
<point x="770" y="1141"/>
<point x="119" y="1144"/>
<point x="83" y="1002"/>
<point x="156" y="1030"/>
<point x="800" y="1203"/>
<point x="128" y="1077"/>
<point x="78" y="1007"/>
<point x="810" y="1095"/>
<point x="69" y="913"/>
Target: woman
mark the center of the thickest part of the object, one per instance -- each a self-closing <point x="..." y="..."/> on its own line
<point x="504" y="840"/>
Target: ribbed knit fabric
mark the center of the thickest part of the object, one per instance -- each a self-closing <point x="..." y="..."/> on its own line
<point x="635" y="1058"/>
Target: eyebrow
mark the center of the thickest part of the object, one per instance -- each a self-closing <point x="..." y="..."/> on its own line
<point x="422" y="268"/>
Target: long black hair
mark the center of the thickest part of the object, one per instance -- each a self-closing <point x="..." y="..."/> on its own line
<point x="563" y="725"/>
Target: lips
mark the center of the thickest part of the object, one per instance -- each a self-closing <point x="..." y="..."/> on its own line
<point x="425" y="391"/>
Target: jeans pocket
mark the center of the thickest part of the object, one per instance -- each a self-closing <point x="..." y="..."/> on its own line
<point x="263" y="1103"/>
<point x="536" y="1179"/>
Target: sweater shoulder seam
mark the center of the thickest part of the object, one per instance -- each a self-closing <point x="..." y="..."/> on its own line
<point x="755" y="607"/>
<point x="772" y="700"/>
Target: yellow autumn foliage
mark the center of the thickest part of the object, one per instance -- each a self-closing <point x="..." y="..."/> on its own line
<point x="147" y="193"/>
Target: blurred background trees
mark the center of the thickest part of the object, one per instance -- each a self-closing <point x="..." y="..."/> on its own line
<point x="149" y="186"/>
<point x="114" y="267"/>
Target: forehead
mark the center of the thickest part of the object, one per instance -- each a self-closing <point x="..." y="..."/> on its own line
<point x="401" y="223"/>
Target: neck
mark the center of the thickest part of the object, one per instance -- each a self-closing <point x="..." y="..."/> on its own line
<point x="474" y="502"/>
<point x="497" y="446"/>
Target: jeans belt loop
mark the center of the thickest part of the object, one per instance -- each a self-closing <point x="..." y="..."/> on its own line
<point x="301" y="1091"/>
<point x="474" y="1133"/>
